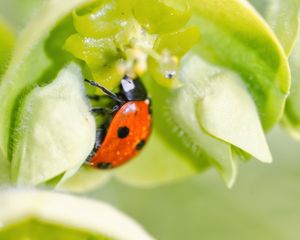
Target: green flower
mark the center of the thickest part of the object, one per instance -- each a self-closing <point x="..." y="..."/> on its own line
<point x="217" y="75"/>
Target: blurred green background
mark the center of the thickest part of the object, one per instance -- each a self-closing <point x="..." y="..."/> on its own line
<point x="263" y="204"/>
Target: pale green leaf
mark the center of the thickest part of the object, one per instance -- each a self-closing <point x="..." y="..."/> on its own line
<point x="30" y="61"/>
<point x="56" y="130"/>
<point x="67" y="215"/>
<point x="184" y="113"/>
<point x="225" y="109"/>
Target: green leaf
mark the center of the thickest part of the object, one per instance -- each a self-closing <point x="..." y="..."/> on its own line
<point x="291" y="120"/>
<point x="35" y="54"/>
<point x="283" y="18"/>
<point x="191" y="131"/>
<point x="242" y="41"/>
<point x="45" y="215"/>
<point x="7" y="41"/>
<point x="56" y="130"/>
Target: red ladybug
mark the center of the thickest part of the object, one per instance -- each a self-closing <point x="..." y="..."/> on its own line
<point x="125" y="133"/>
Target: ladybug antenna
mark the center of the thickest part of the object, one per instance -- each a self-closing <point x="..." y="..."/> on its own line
<point x="106" y="91"/>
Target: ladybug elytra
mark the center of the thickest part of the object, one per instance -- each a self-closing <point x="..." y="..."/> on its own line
<point x="127" y="129"/>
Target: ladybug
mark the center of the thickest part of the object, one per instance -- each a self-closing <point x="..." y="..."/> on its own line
<point x="128" y="127"/>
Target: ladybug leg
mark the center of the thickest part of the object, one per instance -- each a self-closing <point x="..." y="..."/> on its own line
<point x="104" y="111"/>
<point x="94" y="97"/>
<point x="100" y="135"/>
<point x="115" y="108"/>
<point x="101" y="111"/>
<point x="106" y="91"/>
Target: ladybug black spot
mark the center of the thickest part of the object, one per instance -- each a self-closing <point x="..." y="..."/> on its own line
<point x="140" y="145"/>
<point x="104" y="165"/>
<point x="123" y="132"/>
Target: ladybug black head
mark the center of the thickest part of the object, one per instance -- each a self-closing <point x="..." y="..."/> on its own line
<point x="133" y="90"/>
